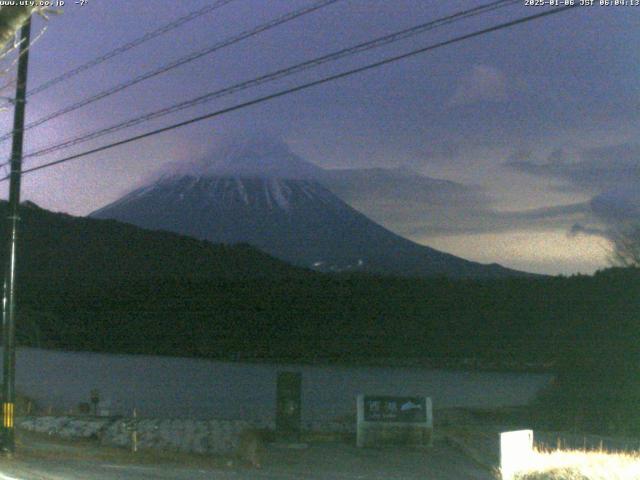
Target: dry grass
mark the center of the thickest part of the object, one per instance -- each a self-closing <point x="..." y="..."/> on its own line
<point x="582" y="465"/>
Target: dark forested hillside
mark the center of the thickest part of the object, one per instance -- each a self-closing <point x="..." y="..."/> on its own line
<point x="346" y="318"/>
<point x="99" y="285"/>
<point x="56" y="248"/>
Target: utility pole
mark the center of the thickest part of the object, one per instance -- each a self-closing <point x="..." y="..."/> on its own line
<point x="9" y="298"/>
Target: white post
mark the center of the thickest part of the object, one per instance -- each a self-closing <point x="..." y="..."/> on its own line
<point x="516" y="452"/>
<point x="134" y="433"/>
<point x="360" y="422"/>
<point x="430" y="421"/>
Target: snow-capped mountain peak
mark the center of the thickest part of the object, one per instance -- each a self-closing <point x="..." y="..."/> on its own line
<point x="263" y="194"/>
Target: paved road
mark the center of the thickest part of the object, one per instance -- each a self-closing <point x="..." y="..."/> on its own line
<point x="318" y="462"/>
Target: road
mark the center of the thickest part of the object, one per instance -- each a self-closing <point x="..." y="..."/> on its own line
<point x="326" y="461"/>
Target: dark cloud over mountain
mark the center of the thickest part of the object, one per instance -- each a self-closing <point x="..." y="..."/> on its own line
<point x="611" y="174"/>
<point x="594" y="169"/>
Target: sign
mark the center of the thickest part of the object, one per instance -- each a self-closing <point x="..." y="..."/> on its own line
<point x="395" y="409"/>
<point x="391" y="420"/>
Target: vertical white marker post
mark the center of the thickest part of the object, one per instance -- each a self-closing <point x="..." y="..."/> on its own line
<point x="516" y="452"/>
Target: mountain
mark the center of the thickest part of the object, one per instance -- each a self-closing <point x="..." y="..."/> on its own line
<point x="409" y="203"/>
<point x="401" y="184"/>
<point x="56" y="248"/>
<point x="264" y="195"/>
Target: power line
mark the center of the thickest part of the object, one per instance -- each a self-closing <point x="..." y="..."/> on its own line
<point x="129" y="45"/>
<point x="179" y="62"/>
<point x="359" y="48"/>
<point x="301" y="87"/>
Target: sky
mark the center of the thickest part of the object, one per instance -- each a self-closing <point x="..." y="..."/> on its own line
<point x="534" y="128"/>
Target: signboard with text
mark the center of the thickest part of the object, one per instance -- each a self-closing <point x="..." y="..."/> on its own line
<point x="395" y="409"/>
<point x="394" y="420"/>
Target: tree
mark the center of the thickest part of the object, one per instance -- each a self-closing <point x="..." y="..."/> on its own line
<point x="626" y="246"/>
<point x="11" y="20"/>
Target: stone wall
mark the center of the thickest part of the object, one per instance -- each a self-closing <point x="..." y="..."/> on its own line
<point x="192" y="436"/>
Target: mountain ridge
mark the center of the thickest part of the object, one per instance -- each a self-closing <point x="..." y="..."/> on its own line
<point x="60" y="247"/>
<point x="299" y="221"/>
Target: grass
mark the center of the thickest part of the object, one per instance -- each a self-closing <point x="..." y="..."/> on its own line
<point x="582" y="465"/>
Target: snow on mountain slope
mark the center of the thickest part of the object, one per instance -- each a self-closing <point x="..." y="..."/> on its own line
<point x="264" y="195"/>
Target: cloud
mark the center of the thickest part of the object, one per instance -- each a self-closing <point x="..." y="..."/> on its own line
<point x="484" y="219"/>
<point x="243" y="154"/>
<point x="617" y="206"/>
<point x="484" y="83"/>
<point x="592" y="170"/>
<point x="416" y="206"/>
<point x="405" y="201"/>
<point x="436" y="151"/>
<point x="578" y="229"/>
<point x="610" y="212"/>
<point x="611" y="174"/>
<point x="400" y="186"/>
